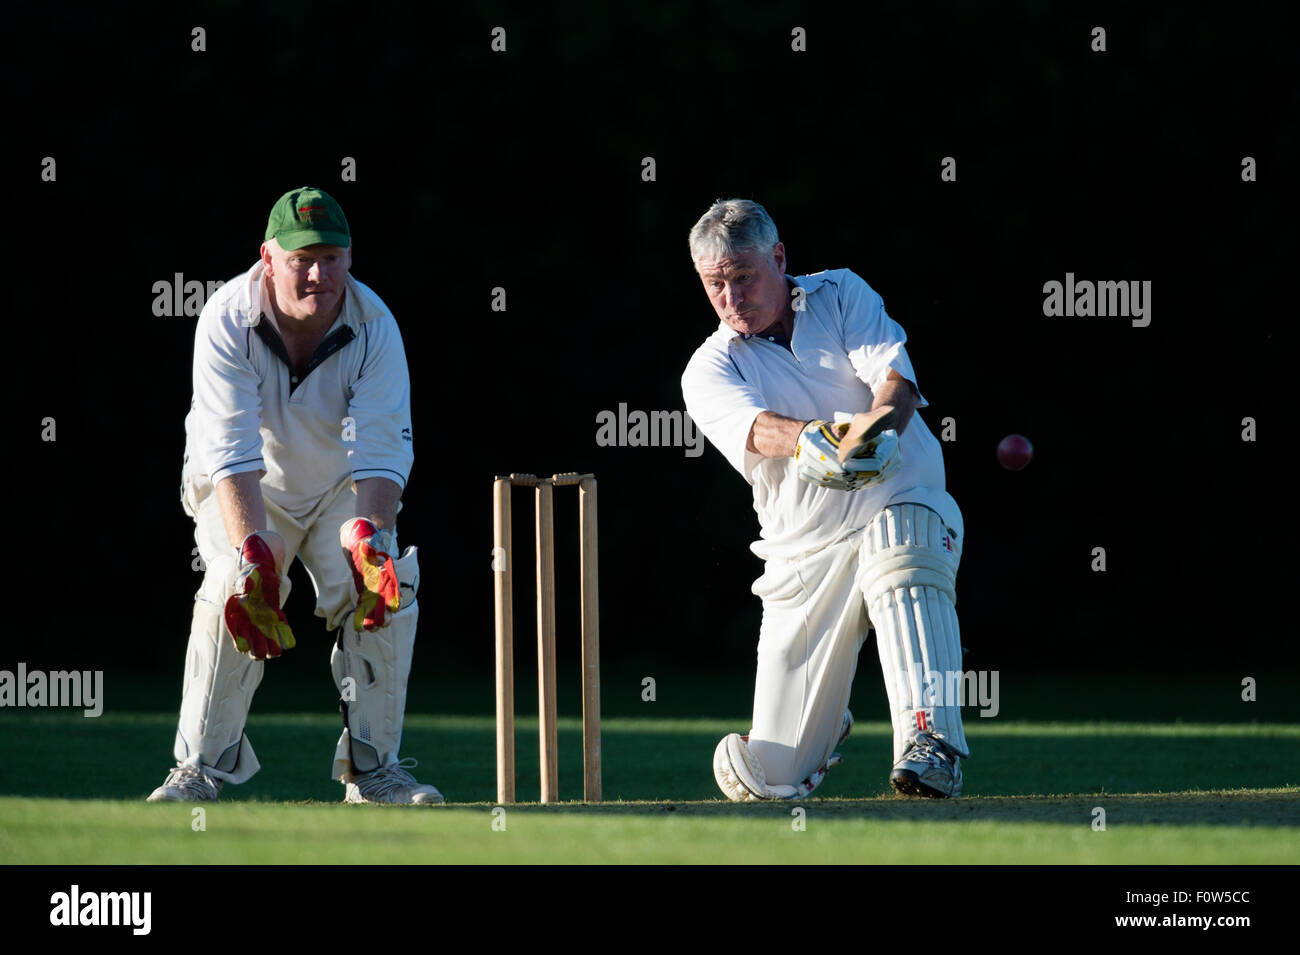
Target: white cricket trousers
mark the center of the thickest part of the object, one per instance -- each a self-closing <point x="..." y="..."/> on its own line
<point x="815" y="620"/>
<point x="219" y="682"/>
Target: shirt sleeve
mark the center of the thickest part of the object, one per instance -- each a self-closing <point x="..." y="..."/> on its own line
<point x="380" y="404"/>
<point x="874" y="341"/>
<point x="227" y="405"/>
<point x="723" y="405"/>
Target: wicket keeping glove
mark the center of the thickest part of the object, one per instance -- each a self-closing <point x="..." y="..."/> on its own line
<point x="253" y="613"/>
<point x="817" y="457"/>
<point x="368" y="551"/>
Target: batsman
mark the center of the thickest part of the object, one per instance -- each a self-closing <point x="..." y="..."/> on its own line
<point x="298" y="444"/>
<point x="807" y="390"/>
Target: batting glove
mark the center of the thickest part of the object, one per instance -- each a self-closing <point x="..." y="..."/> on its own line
<point x="877" y="460"/>
<point x="253" y="613"/>
<point x="817" y="458"/>
<point x="368" y="551"/>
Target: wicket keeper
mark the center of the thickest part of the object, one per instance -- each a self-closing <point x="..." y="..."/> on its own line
<point x="298" y="444"/>
<point x="851" y="540"/>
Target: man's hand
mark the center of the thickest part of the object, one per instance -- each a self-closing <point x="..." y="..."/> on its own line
<point x="253" y="613"/>
<point x="368" y="552"/>
<point x="817" y="457"/>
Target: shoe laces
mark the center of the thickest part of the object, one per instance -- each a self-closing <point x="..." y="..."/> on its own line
<point x="930" y="748"/>
<point x="384" y="780"/>
<point x="189" y="779"/>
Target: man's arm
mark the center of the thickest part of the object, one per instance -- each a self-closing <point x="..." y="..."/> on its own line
<point x="377" y="501"/>
<point x="252" y="612"/>
<point x="901" y="393"/>
<point x="380" y="404"/>
<point x="242" y="509"/>
<point x="776" y="436"/>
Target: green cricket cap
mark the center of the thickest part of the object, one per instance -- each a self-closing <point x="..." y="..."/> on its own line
<point x="307" y="216"/>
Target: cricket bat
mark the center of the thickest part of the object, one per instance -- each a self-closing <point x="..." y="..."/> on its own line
<point x="865" y="426"/>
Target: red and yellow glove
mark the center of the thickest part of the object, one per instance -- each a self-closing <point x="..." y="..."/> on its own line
<point x="369" y="554"/>
<point x="253" y="613"/>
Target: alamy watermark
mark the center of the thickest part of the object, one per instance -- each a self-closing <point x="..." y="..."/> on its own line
<point x="951" y="688"/>
<point x="75" y="908"/>
<point x="175" y="297"/>
<point x="82" y="688"/>
<point x="1085" y="299"/>
<point x="648" y="429"/>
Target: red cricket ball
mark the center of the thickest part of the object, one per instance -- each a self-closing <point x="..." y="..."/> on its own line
<point x="1014" y="452"/>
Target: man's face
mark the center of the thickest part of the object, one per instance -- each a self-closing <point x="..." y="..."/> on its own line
<point x="307" y="282"/>
<point x="748" y="291"/>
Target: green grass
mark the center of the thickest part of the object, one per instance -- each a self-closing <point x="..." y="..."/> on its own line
<point x="72" y="789"/>
<point x="1140" y="830"/>
<point x="124" y="755"/>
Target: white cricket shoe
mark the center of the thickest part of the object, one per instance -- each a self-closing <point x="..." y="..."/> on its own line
<point x="392" y="784"/>
<point x="928" y="768"/>
<point x="186" y="784"/>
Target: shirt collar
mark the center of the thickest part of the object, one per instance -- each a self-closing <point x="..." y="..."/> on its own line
<point x="769" y="336"/>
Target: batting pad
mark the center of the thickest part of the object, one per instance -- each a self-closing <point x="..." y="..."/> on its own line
<point x="375" y="665"/>
<point x="908" y="578"/>
<point x="218" y="687"/>
<point x="740" y="775"/>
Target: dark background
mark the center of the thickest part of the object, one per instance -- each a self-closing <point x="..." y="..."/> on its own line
<point x="523" y="170"/>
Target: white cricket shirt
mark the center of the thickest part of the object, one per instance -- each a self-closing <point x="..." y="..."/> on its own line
<point x="349" y="414"/>
<point x="843" y="348"/>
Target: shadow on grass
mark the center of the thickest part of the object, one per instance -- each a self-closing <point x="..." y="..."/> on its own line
<point x="1279" y="808"/>
<point x="125" y="755"/>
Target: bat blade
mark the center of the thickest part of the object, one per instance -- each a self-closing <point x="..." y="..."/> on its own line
<point x="865" y="426"/>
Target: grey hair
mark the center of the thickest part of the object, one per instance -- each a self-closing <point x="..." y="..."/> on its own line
<point x="732" y="227"/>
